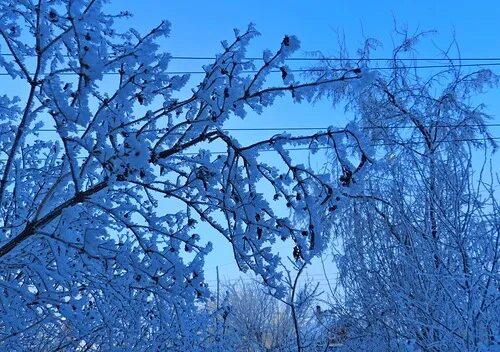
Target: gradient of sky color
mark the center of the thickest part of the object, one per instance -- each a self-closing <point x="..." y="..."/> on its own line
<point x="199" y="26"/>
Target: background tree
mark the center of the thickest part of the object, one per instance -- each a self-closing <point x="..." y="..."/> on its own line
<point x="252" y="319"/>
<point x="419" y="250"/>
<point x="257" y="321"/>
<point x="98" y="138"/>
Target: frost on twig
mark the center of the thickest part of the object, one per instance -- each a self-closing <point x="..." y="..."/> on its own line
<point x="108" y="167"/>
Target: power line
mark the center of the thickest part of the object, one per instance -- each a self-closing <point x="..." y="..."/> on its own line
<point x="363" y="127"/>
<point x="407" y="143"/>
<point x="307" y="70"/>
<point x="287" y="129"/>
<point x="326" y="58"/>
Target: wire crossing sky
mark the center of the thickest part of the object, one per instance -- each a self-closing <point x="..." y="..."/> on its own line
<point x="308" y="70"/>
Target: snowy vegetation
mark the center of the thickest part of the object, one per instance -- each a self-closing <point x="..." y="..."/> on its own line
<point x="108" y="168"/>
<point x="418" y="249"/>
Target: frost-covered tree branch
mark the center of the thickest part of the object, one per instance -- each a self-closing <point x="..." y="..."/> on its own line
<point x="108" y="165"/>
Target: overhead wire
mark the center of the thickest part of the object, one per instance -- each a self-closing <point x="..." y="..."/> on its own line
<point x="306" y="70"/>
<point x="324" y="58"/>
<point x="406" y="143"/>
<point x="285" y="129"/>
<point x="291" y="71"/>
<point x="319" y="129"/>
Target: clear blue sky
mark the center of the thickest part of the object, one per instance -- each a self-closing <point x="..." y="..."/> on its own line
<point x="199" y="26"/>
